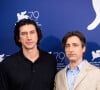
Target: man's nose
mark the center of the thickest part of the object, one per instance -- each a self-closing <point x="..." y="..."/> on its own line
<point x="71" y="48"/>
<point x="28" y="36"/>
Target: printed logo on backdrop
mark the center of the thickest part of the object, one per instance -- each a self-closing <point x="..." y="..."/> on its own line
<point x="1" y="57"/>
<point x="96" y="53"/>
<point x="96" y="21"/>
<point x="95" y="58"/>
<point x="61" y="59"/>
<point x="33" y="15"/>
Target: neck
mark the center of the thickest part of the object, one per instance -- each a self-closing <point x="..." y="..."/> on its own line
<point x="73" y="65"/>
<point x="31" y="54"/>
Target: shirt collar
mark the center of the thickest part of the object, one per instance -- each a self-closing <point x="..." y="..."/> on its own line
<point x="78" y="67"/>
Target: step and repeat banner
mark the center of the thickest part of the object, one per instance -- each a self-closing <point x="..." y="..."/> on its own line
<point x="55" y="18"/>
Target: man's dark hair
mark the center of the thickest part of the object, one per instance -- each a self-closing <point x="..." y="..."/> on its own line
<point x="74" y="33"/>
<point x="25" y="22"/>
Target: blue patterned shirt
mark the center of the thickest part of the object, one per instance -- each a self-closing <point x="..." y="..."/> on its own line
<point x="72" y="74"/>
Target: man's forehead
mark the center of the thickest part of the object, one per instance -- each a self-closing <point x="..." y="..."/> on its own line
<point x="73" y="39"/>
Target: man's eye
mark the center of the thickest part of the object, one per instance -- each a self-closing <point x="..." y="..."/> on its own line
<point x="23" y="33"/>
<point x="75" y="45"/>
<point x="67" y="45"/>
<point x="33" y="32"/>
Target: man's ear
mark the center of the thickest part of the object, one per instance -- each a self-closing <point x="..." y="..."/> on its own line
<point x="84" y="49"/>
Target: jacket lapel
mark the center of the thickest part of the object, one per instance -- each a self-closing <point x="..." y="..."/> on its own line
<point x="65" y="79"/>
<point x="82" y="74"/>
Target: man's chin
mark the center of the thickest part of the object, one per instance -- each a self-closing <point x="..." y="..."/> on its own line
<point x="29" y="48"/>
<point x="72" y="60"/>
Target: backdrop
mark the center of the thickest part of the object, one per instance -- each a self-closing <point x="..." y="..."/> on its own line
<point x="55" y="18"/>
